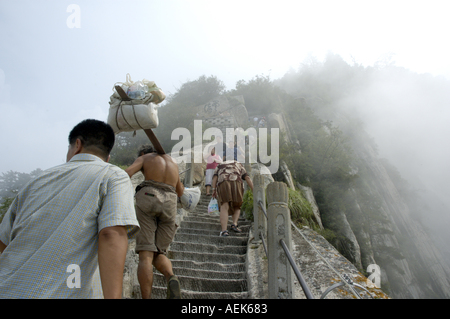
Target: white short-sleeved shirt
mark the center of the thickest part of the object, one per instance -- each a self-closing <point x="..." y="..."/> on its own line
<point x="52" y="228"/>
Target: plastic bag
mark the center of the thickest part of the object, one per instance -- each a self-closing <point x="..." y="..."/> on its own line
<point x="190" y="198"/>
<point x="145" y="87"/>
<point x="137" y="90"/>
<point x="213" y="207"/>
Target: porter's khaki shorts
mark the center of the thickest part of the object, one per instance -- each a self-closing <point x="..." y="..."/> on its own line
<point x="156" y="209"/>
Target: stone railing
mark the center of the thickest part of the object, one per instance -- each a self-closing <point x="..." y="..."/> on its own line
<point x="272" y="227"/>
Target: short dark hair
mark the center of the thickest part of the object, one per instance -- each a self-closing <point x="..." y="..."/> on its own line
<point x="147" y="148"/>
<point x="95" y="135"/>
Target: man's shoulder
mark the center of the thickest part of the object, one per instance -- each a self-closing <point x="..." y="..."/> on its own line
<point x="157" y="162"/>
<point x="236" y="166"/>
<point x="228" y="164"/>
<point x="97" y="167"/>
<point x="156" y="156"/>
<point x="117" y="170"/>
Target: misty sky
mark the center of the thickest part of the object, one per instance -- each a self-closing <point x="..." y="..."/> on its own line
<point x="53" y="76"/>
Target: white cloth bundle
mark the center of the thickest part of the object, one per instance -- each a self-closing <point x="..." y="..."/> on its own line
<point x="136" y="114"/>
<point x="128" y="116"/>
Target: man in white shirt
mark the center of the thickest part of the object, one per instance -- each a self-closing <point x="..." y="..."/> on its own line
<point x="69" y="222"/>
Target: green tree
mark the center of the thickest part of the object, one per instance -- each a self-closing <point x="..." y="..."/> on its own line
<point x="126" y="147"/>
<point x="6" y="202"/>
<point x="179" y="110"/>
<point x="11" y="183"/>
<point x="261" y="95"/>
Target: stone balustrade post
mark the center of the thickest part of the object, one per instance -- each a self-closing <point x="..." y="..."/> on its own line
<point x="260" y="219"/>
<point x="279" y="228"/>
<point x="248" y="169"/>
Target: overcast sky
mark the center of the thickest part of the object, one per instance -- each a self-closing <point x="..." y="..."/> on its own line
<point x="53" y="76"/>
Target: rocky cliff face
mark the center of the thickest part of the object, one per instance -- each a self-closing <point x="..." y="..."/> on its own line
<point x="387" y="234"/>
<point x="408" y="258"/>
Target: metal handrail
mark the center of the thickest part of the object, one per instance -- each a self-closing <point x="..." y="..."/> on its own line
<point x="184" y="171"/>
<point x="344" y="280"/>
<point x="260" y="235"/>
<point x="297" y="272"/>
<point x="264" y="244"/>
<point x="261" y="204"/>
<point x="347" y="281"/>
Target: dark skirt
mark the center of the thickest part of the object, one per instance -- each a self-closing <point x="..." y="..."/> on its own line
<point x="230" y="192"/>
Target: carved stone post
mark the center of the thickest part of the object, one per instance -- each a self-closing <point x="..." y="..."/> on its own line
<point x="279" y="228"/>
<point x="248" y="169"/>
<point x="260" y="219"/>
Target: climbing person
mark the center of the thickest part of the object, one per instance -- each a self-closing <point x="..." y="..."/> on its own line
<point x="228" y="188"/>
<point x="211" y="163"/>
<point x="220" y="147"/>
<point x="235" y="152"/>
<point x="69" y="222"/>
<point x="262" y="122"/>
<point x="156" y="209"/>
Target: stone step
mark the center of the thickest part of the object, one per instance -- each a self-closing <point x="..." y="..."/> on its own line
<point x="207" y="248"/>
<point x="203" y="217"/>
<point x="160" y="293"/>
<point x="213" y="240"/>
<point x="201" y="226"/>
<point x="205" y="257"/>
<point x="204" y="284"/>
<point x="208" y="274"/>
<point x="209" y="266"/>
<point x="211" y="233"/>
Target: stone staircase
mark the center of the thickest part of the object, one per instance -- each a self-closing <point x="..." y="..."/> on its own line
<point x="208" y="266"/>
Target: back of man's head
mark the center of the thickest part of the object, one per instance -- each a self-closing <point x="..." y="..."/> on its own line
<point x="146" y="149"/>
<point x="96" y="136"/>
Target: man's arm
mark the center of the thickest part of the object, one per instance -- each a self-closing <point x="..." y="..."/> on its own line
<point x="2" y="247"/>
<point x="180" y="188"/>
<point x="249" y="182"/>
<point x="112" y="251"/>
<point x="135" y="167"/>
<point x="213" y="186"/>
